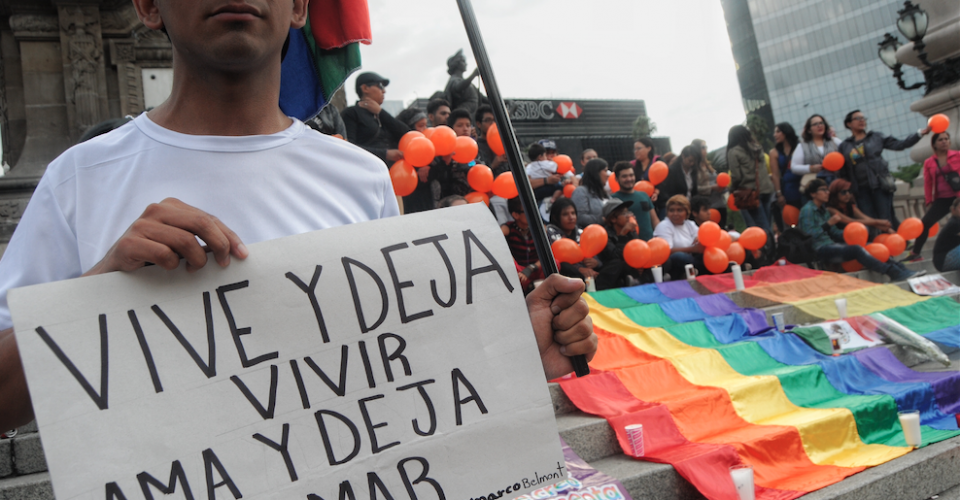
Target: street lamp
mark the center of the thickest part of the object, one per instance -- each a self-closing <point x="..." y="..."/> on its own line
<point x="888" y="54"/>
<point x="913" y="25"/>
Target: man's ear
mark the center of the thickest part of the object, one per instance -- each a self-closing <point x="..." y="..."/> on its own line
<point x="149" y="13"/>
<point x="299" y="18"/>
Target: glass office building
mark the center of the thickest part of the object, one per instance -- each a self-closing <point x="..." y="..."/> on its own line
<point x="796" y="58"/>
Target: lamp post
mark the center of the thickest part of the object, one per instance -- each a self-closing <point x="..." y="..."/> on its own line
<point x="888" y="54"/>
<point x="913" y="24"/>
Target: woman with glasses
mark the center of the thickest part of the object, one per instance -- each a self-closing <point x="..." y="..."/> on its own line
<point x="644" y="155"/>
<point x="590" y="195"/>
<point x="937" y="193"/>
<point x="817" y="143"/>
<point x="866" y="169"/>
<point x="843" y="203"/>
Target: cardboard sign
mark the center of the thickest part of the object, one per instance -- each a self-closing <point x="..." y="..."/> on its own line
<point x="389" y="360"/>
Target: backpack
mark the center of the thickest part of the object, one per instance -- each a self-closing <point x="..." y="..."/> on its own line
<point x="796" y="246"/>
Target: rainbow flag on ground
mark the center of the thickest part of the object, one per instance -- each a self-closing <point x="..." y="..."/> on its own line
<point x="715" y="386"/>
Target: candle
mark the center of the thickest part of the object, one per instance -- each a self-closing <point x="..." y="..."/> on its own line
<point x="910" y="421"/>
<point x="841" y="307"/>
<point x="657" y="274"/>
<point x="737" y="276"/>
<point x="743" y="479"/>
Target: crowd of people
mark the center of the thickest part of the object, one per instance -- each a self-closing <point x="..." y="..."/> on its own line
<point x="762" y="185"/>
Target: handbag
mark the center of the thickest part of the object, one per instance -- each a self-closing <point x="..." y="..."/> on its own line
<point x="749" y="199"/>
<point x="952" y="178"/>
<point x="887" y="182"/>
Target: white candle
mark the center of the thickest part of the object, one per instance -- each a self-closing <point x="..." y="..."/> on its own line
<point x="841" y="307"/>
<point x="910" y="421"/>
<point x="737" y="277"/>
<point x="743" y="479"/>
<point x="657" y="274"/>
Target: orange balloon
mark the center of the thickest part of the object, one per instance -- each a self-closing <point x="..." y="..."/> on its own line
<point x="723" y="179"/>
<point x="404" y="178"/>
<point x="791" y="215"/>
<point x="427" y="132"/>
<point x="715" y="260"/>
<point x="753" y="238"/>
<point x="938" y="123"/>
<point x="444" y="140"/>
<point x="493" y="140"/>
<point x="879" y="252"/>
<point x="420" y="152"/>
<point x="709" y="234"/>
<point x="855" y="234"/>
<point x="566" y="250"/>
<point x="504" y="187"/>
<point x="636" y="254"/>
<point x="645" y="187"/>
<point x="405" y="140"/>
<point x="568" y="190"/>
<point x="934" y="229"/>
<point x="612" y="182"/>
<point x="896" y="244"/>
<point x="593" y="240"/>
<point x="732" y="203"/>
<point x="564" y="164"/>
<point x="480" y="178"/>
<point x="882" y="238"/>
<point x="465" y="150"/>
<point x="659" y="251"/>
<point x="338" y="136"/>
<point x="725" y="241"/>
<point x="715" y="216"/>
<point x="911" y="228"/>
<point x="476" y="197"/>
<point x="833" y="161"/>
<point x="658" y="172"/>
<point x="736" y="253"/>
<point x="852" y="266"/>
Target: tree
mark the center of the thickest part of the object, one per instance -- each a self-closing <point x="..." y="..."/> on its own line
<point x="760" y="129"/>
<point x="643" y="127"/>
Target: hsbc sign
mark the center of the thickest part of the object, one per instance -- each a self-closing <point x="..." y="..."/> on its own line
<point x="569" y="110"/>
<point x="544" y="110"/>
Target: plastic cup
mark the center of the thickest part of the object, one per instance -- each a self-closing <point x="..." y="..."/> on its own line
<point x="657" y="274"/>
<point x="690" y="271"/>
<point x="742" y="476"/>
<point x="635" y="437"/>
<point x="841" y="307"/>
<point x="910" y="421"/>
<point x="778" y="321"/>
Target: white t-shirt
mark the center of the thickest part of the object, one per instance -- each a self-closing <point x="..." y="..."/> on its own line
<point x="262" y="187"/>
<point x="677" y="236"/>
<point x="541" y="169"/>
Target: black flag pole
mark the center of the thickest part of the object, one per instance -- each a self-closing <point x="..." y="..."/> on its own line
<point x="512" y="149"/>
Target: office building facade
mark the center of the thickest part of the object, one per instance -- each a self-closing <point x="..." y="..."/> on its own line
<point x="799" y="58"/>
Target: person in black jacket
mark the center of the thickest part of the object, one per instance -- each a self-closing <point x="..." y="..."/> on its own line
<point x="682" y="178"/>
<point x="371" y="127"/>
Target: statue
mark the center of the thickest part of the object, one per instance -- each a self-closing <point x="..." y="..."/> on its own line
<point x="460" y="92"/>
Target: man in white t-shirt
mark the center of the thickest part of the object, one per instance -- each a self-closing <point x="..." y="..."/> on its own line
<point x="219" y="145"/>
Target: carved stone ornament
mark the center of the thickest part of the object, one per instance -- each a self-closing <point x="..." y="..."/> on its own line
<point x="124" y="20"/>
<point x="33" y="23"/>
<point x="943" y="74"/>
<point x="122" y="51"/>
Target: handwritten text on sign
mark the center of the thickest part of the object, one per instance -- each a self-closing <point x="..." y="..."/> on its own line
<point x="388" y="360"/>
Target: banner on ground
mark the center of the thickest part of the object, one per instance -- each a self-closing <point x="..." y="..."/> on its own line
<point x="388" y="360"/>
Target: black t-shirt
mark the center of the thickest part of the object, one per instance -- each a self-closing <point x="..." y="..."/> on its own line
<point x="947" y="239"/>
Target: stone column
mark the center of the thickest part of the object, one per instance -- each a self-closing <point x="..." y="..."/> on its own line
<point x="123" y="55"/>
<point x="943" y="83"/>
<point x="85" y="81"/>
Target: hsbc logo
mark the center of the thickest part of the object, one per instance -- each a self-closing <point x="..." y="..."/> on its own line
<point x="569" y="110"/>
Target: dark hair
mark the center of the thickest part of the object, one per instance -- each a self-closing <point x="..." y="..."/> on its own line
<point x="557" y="209"/>
<point x="849" y="118"/>
<point x="698" y="202"/>
<point x="408" y="114"/>
<point x="591" y="177"/>
<point x="808" y="136"/>
<point x="620" y="166"/>
<point x="789" y="134"/>
<point x="815" y="185"/>
<point x="482" y="110"/>
<point x="448" y="201"/>
<point x="435" y="104"/>
<point x="535" y="151"/>
<point x="646" y="141"/>
<point x="458" y="114"/>
<point x="739" y="136"/>
<point x="933" y="140"/>
<point x="514" y="205"/>
<point x="691" y="151"/>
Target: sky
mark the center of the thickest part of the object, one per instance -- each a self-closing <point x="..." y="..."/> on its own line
<point x="675" y="55"/>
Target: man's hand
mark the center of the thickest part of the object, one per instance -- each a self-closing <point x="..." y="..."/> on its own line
<point x="394" y="155"/>
<point x="559" y="318"/>
<point x="553" y="179"/>
<point x="835" y="219"/>
<point x="165" y="233"/>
